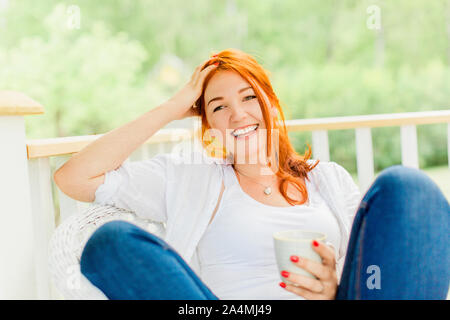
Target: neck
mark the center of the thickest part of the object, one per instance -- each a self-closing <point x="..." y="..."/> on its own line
<point x="258" y="171"/>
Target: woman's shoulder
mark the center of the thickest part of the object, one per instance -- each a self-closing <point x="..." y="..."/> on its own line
<point x="330" y="171"/>
<point x="340" y="180"/>
<point x="326" y="165"/>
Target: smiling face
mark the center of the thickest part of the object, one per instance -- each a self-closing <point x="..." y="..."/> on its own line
<point x="233" y="111"/>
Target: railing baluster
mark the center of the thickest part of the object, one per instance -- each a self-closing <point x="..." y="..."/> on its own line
<point x="409" y="146"/>
<point x="139" y="154"/>
<point x="145" y="152"/>
<point x="43" y="221"/>
<point x="364" y="158"/>
<point x="160" y="148"/>
<point x="320" y="147"/>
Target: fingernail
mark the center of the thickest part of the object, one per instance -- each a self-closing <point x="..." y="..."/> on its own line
<point x="214" y="56"/>
<point x="294" y="259"/>
<point x="285" y="273"/>
<point x="282" y="284"/>
<point x="216" y="64"/>
<point x="315" y="243"/>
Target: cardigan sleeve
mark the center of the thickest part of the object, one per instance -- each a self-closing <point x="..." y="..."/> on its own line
<point x="138" y="186"/>
<point x="351" y="193"/>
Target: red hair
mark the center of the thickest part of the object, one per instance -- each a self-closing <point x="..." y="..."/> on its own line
<point x="292" y="167"/>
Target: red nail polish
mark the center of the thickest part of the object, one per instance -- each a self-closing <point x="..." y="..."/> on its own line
<point x="315" y="243"/>
<point x="216" y="64"/>
<point x="282" y="284"/>
<point x="214" y="56"/>
<point x="285" y="274"/>
<point x="294" y="259"/>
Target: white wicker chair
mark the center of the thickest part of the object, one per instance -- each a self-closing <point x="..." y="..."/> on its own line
<point x="67" y="243"/>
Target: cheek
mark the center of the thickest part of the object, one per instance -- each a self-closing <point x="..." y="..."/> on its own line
<point x="218" y="123"/>
<point x="255" y="110"/>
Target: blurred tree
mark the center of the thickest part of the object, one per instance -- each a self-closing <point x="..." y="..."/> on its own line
<point x="85" y="82"/>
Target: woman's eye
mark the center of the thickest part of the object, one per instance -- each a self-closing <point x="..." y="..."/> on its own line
<point x="246" y="99"/>
<point x="215" y="109"/>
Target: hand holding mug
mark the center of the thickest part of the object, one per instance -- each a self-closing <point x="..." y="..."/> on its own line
<point x="324" y="287"/>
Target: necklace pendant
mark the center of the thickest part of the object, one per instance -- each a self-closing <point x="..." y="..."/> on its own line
<point x="267" y="190"/>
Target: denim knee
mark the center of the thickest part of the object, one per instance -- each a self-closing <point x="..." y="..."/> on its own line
<point x="111" y="232"/>
<point x="398" y="180"/>
<point x="405" y="191"/>
<point x="105" y="239"/>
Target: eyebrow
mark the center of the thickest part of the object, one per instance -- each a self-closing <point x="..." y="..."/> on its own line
<point x="221" y="98"/>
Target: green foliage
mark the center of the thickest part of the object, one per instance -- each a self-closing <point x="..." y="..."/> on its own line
<point x="129" y="56"/>
<point x="84" y="81"/>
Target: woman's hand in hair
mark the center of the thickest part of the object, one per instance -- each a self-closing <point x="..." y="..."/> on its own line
<point x="322" y="288"/>
<point x="183" y="102"/>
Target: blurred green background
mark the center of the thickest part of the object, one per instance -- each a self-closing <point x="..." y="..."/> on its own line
<point x="95" y="65"/>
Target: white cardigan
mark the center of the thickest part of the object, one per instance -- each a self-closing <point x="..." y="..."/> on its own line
<point x="181" y="190"/>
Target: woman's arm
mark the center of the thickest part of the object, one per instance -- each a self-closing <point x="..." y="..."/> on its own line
<point x="80" y="176"/>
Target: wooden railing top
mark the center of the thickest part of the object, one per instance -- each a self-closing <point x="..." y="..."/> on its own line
<point x="370" y="121"/>
<point x="14" y="103"/>
<point x="38" y="148"/>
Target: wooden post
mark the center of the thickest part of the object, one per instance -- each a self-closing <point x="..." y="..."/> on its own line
<point x="17" y="267"/>
<point x="410" y="156"/>
<point x="364" y="158"/>
<point x="320" y="147"/>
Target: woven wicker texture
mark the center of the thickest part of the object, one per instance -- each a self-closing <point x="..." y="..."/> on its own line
<point x="67" y="243"/>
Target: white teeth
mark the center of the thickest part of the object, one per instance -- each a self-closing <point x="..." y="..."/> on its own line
<point x="244" y="131"/>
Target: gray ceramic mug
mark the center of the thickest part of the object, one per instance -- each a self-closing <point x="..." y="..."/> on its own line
<point x="298" y="243"/>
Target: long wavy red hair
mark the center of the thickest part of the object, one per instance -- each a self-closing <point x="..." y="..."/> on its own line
<point x="292" y="167"/>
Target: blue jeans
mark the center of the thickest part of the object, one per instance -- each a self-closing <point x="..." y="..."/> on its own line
<point x="398" y="249"/>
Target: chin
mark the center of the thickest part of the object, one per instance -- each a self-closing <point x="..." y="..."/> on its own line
<point x="248" y="157"/>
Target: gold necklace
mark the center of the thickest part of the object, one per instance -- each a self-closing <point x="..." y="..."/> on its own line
<point x="267" y="189"/>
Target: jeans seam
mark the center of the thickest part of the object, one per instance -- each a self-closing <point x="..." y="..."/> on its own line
<point x="359" y="259"/>
<point x="357" y="282"/>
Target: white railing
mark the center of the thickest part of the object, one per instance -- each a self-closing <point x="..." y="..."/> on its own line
<point x="27" y="188"/>
<point x="362" y="126"/>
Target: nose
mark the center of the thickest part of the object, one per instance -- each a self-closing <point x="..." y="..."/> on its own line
<point x="238" y="113"/>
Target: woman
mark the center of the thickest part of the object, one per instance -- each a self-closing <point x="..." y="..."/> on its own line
<point x="220" y="213"/>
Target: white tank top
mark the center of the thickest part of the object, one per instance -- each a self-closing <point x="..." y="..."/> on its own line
<point x="236" y="254"/>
